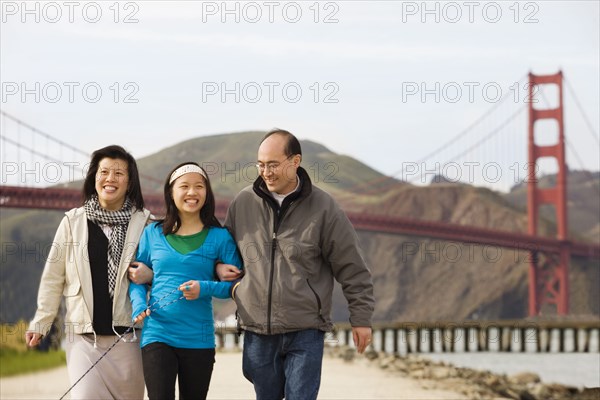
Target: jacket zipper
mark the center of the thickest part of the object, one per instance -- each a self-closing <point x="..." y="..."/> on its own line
<point x="276" y="222"/>
<point x="81" y="281"/>
<point x="272" y="272"/>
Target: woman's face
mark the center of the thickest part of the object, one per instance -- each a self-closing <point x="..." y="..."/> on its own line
<point x="189" y="193"/>
<point x="112" y="181"/>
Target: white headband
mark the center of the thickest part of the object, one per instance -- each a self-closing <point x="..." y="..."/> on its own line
<point x="185" y="169"/>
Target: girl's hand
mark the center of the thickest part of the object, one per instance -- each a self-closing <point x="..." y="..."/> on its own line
<point x="190" y="289"/>
<point x="141" y="316"/>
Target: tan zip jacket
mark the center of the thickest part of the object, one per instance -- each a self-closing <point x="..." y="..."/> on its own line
<point x="67" y="273"/>
<point x="291" y="256"/>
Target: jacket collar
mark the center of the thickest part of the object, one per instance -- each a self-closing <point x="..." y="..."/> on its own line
<point x="260" y="188"/>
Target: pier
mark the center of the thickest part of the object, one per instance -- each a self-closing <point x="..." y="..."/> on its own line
<point x="468" y="336"/>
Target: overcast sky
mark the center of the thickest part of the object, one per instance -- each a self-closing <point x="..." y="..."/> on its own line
<point x="386" y="82"/>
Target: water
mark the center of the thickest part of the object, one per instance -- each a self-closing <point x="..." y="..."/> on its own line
<point x="574" y="369"/>
<point x="568" y="368"/>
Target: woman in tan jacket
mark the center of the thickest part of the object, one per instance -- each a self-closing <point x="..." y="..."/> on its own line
<point x="87" y="264"/>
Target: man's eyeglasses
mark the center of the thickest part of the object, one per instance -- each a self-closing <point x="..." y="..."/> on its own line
<point x="271" y="166"/>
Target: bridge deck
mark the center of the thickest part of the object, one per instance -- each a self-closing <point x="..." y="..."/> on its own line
<point x="64" y="199"/>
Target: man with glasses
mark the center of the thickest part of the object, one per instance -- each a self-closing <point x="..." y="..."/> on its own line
<point x="294" y="239"/>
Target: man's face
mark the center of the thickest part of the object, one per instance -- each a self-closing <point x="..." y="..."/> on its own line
<point x="277" y="169"/>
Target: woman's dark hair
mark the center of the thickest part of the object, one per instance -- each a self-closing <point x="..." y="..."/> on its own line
<point x="292" y="146"/>
<point x="171" y="222"/>
<point x="134" y="189"/>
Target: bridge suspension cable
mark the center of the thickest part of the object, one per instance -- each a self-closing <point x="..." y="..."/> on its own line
<point x="568" y="142"/>
<point x="46" y="156"/>
<point x="483" y="140"/>
<point x="43" y="134"/>
<point x="583" y="114"/>
<point x="32" y="151"/>
<point x="383" y="183"/>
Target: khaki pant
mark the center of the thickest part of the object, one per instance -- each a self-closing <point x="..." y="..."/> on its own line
<point x="119" y="375"/>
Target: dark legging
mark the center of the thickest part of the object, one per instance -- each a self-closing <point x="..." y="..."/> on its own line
<point x="163" y="364"/>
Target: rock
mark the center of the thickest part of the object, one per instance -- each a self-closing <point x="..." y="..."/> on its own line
<point x="510" y="393"/>
<point x="524" y="378"/>
<point x="417" y="373"/>
<point x="492" y="381"/>
<point x="557" y="391"/>
<point x="401" y="366"/>
<point x="525" y="395"/>
<point x="371" y="354"/>
<point x="472" y="383"/>
<point x="349" y="354"/>
<point x="589" y="394"/>
<point x="386" y="362"/>
<point x="441" y="372"/>
<point x="539" y="391"/>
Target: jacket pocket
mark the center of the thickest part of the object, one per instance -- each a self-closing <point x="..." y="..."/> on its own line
<point x="74" y="304"/>
<point x="319" y="305"/>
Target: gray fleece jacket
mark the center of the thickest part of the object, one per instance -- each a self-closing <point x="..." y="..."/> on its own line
<point x="291" y="255"/>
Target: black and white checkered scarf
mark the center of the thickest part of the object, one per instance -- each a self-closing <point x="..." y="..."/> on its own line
<point x="118" y="221"/>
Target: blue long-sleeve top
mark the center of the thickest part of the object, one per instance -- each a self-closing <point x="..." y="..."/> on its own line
<point x="183" y="323"/>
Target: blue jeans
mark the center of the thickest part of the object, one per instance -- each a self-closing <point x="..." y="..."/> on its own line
<point x="285" y="365"/>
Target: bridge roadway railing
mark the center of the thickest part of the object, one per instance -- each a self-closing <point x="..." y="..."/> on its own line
<point x="467" y="336"/>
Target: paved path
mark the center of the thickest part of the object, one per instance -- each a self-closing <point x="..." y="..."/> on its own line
<point x="341" y="380"/>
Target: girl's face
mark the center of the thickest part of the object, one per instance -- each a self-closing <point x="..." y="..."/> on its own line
<point x="112" y="181"/>
<point x="189" y="193"/>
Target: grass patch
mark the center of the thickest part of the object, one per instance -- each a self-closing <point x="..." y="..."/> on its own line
<point x="16" y="358"/>
<point x="13" y="362"/>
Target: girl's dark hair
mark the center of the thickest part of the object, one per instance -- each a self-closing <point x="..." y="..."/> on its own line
<point x="171" y="221"/>
<point x="134" y="189"/>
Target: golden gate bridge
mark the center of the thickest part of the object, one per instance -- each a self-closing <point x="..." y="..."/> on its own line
<point x="550" y="256"/>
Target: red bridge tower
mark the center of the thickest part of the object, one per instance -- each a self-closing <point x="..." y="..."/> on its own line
<point x="548" y="273"/>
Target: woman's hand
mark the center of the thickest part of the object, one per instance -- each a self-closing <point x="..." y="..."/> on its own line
<point x="140" y="273"/>
<point x="141" y="316"/>
<point x="190" y="289"/>
<point x="32" y="339"/>
<point x="228" y="272"/>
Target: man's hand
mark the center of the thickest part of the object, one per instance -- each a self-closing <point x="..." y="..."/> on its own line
<point x="228" y="272"/>
<point x="362" y="337"/>
<point x="139" y="273"/>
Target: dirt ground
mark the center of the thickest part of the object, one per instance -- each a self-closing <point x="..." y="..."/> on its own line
<point x="340" y="380"/>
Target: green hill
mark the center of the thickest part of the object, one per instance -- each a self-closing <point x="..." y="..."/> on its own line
<point x="26" y="236"/>
<point x="230" y="162"/>
<point x="415" y="278"/>
<point x="583" y="204"/>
